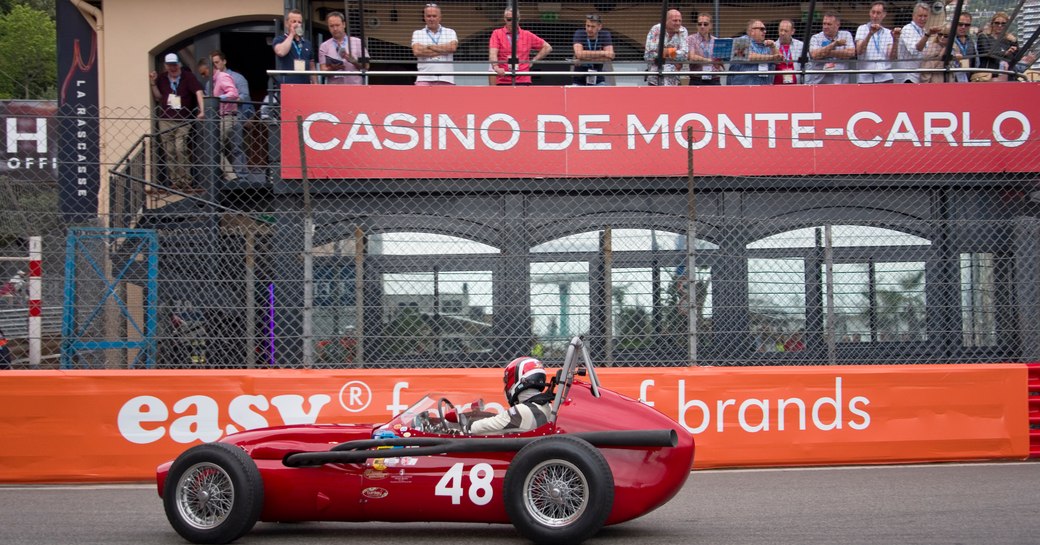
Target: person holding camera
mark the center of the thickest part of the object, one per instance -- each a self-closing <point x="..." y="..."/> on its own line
<point x="997" y="47"/>
<point x="340" y="53"/>
<point x="292" y="51"/>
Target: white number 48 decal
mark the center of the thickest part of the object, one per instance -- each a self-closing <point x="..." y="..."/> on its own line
<point x="480" y="477"/>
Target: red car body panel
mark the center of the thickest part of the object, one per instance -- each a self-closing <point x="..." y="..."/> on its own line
<point x="455" y="487"/>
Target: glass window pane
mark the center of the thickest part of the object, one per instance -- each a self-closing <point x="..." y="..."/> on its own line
<point x="632" y="307"/>
<point x="851" y="302"/>
<point x="978" y="305"/>
<point x="776" y="301"/>
<point x="334" y="311"/>
<point x="900" y="301"/>
<point x="424" y="244"/>
<point x="454" y="318"/>
<point x="580" y="242"/>
<point x="622" y="240"/>
<point x="675" y="306"/>
<point x="559" y="303"/>
<point x="842" y="236"/>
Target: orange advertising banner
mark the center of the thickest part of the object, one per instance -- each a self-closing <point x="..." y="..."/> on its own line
<point x="67" y="426"/>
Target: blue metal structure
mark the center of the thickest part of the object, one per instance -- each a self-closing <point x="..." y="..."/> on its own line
<point x="129" y="251"/>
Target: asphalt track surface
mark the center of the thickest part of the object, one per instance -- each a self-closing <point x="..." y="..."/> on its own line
<point x="986" y="503"/>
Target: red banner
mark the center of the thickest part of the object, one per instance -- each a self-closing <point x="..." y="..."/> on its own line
<point x="502" y="132"/>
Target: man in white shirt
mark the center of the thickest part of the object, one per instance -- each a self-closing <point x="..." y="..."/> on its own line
<point x="828" y="51"/>
<point x="875" y="47"/>
<point x="434" y="46"/>
<point x="912" y="39"/>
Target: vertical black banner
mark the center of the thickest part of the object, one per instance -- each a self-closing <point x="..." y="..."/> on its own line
<point x="79" y="149"/>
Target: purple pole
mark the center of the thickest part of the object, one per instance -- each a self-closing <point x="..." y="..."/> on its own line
<point x="270" y="323"/>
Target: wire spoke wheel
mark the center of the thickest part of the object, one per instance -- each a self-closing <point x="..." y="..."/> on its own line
<point x="556" y="493"/>
<point x="558" y="490"/>
<point x="205" y="495"/>
<point x="213" y="493"/>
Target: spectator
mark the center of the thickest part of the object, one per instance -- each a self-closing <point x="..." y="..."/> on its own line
<point x="292" y="51"/>
<point x="435" y="46"/>
<point x="932" y="57"/>
<point x="202" y="74"/>
<point x="178" y="98"/>
<point x="912" y="39"/>
<point x="224" y="89"/>
<point x="592" y="43"/>
<point x="828" y="49"/>
<point x="997" y="47"/>
<point x="676" y="49"/>
<point x="762" y="52"/>
<point x="795" y="343"/>
<point x="246" y="110"/>
<point x="5" y="352"/>
<point x="701" y="46"/>
<point x="500" y="48"/>
<point x="875" y="47"/>
<point x="339" y="53"/>
<point x="964" y="45"/>
<point x="790" y="50"/>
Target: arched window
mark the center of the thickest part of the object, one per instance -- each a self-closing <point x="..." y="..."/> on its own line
<point x="634" y="311"/>
<point x="878" y="279"/>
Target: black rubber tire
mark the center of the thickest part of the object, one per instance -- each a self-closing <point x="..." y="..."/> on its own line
<point x="567" y="464"/>
<point x="213" y="493"/>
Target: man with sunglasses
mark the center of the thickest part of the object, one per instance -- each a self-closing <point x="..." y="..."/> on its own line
<point x="340" y="54"/>
<point x="760" y="56"/>
<point x="434" y="45"/>
<point x="501" y="45"/>
<point x="702" y="50"/>
<point x="964" y="45"/>
<point x="593" y="46"/>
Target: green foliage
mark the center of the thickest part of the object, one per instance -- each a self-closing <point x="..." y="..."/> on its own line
<point x="46" y="6"/>
<point x="28" y="54"/>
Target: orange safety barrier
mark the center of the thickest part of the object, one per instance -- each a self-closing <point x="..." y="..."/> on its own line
<point x="118" y="425"/>
<point x="1034" y="410"/>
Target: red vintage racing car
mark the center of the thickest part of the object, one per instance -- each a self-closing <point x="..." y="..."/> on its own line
<point x="602" y="459"/>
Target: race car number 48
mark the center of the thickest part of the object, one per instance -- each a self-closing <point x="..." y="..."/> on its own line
<point x="480" y="477"/>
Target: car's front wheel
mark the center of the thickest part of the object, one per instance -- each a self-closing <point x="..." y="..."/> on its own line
<point x="213" y="493"/>
<point x="558" y="490"/>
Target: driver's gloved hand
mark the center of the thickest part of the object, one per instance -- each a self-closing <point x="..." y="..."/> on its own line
<point x="451" y="415"/>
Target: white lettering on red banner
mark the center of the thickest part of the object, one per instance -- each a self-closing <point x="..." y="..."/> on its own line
<point x="477" y="132"/>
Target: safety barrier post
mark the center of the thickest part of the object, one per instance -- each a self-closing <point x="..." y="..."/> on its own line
<point x="35" y="296"/>
<point x="1034" y="409"/>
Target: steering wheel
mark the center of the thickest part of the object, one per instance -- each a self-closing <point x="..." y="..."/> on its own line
<point x="421" y="422"/>
<point x="463" y="420"/>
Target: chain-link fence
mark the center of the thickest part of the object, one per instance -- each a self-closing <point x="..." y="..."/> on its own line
<point x="236" y="250"/>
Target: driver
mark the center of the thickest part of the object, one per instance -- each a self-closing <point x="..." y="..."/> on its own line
<point x="530" y="406"/>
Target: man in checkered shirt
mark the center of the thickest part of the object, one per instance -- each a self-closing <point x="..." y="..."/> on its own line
<point x="435" y="45"/>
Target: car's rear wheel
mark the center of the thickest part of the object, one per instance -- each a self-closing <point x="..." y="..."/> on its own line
<point x="213" y="493"/>
<point x="559" y="490"/>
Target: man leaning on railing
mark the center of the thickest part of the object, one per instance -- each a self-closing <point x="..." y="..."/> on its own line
<point x="593" y="46"/>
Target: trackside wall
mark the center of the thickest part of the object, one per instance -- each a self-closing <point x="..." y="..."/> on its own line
<point x="69" y="426"/>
